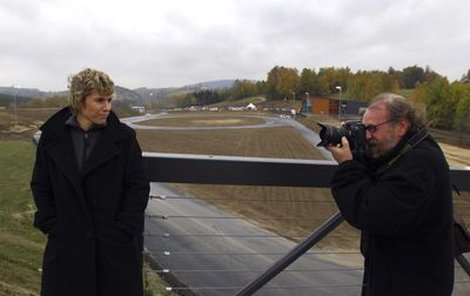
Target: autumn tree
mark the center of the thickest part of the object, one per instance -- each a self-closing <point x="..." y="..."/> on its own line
<point x="330" y="77"/>
<point x="309" y="82"/>
<point x="282" y="82"/>
<point x="440" y="101"/>
<point x="462" y="111"/>
<point x="182" y="100"/>
<point x="410" y="76"/>
<point x="365" y="85"/>
<point x="466" y="77"/>
<point x="243" y="89"/>
<point x="207" y="97"/>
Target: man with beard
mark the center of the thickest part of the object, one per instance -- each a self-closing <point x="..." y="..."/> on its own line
<point x="399" y="196"/>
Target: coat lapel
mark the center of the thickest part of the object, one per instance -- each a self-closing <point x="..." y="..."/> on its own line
<point x="66" y="162"/>
<point x="104" y="150"/>
<point x="58" y="144"/>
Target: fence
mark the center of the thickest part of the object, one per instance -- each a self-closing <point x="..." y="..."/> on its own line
<point x="179" y="243"/>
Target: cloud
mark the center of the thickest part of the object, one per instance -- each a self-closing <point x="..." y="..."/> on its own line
<point x="173" y="43"/>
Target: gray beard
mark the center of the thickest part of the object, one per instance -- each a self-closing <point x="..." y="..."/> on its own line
<point x="370" y="154"/>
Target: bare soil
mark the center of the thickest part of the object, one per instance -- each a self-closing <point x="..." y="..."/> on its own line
<point x="208" y="120"/>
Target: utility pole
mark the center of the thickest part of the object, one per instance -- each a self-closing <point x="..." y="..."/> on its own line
<point x="339" y="106"/>
<point x="15" y="94"/>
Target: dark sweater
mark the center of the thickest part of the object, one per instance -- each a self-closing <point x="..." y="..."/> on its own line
<point x="83" y="141"/>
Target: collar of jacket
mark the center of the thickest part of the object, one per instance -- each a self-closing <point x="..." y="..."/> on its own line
<point x="55" y="126"/>
<point x="378" y="165"/>
<point x="58" y="143"/>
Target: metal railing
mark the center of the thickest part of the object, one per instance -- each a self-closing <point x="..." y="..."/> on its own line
<point x="228" y="170"/>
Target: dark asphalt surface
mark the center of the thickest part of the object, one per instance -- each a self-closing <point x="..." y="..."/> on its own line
<point x="221" y="256"/>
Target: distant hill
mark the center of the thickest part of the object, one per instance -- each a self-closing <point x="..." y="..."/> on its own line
<point x="151" y="94"/>
<point x="9" y="100"/>
<point x="217" y="84"/>
<point x="136" y="96"/>
<point x="125" y="94"/>
<point x="21" y="92"/>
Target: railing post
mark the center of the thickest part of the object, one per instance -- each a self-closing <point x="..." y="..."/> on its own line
<point x="293" y="255"/>
<point x="464" y="263"/>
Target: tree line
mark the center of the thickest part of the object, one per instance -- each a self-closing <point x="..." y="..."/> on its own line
<point x="447" y="104"/>
<point x="288" y="83"/>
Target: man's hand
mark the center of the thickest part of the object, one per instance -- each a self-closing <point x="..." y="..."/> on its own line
<point x="341" y="152"/>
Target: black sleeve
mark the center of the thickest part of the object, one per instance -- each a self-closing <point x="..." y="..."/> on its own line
<point x="137" y="189"/>
<point x="45" y="215"/>
<point x="395" y="203"/>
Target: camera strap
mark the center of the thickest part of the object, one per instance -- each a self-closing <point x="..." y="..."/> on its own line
<point x="419" y="136"/>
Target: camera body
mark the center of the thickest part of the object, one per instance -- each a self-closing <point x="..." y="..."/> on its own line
<point x="353" y="130"/>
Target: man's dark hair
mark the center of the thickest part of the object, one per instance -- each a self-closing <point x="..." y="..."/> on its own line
<point x="399" y="107"/>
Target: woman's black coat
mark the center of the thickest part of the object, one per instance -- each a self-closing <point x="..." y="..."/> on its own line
<point x="405" y="215"/>
<point x="94" y="220"/>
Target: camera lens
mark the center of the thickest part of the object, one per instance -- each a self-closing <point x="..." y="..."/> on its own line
<point x="330" y="135"/>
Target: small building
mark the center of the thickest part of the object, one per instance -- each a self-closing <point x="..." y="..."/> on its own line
<point x="140" y="109"/>
<point x="324" y="106"/>
<point x="331" y="106"/>
<point x="356" y="108"/>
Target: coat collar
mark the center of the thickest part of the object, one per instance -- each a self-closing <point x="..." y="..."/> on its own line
<point x="58" y="142"/>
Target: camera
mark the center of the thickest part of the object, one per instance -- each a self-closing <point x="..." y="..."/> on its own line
<point x="353" y="130"/>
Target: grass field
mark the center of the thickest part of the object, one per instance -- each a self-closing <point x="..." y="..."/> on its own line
<point x="21" y="245"/>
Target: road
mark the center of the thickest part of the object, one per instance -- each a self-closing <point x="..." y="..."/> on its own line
<point x="220" y="256"/>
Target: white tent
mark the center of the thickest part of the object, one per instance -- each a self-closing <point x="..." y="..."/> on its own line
<point x="251" y="106"/>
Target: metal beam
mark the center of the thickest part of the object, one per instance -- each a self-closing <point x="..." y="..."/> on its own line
<point x="238" y="170"/>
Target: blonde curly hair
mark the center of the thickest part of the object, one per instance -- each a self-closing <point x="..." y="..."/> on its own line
<point x="84" y="84"/>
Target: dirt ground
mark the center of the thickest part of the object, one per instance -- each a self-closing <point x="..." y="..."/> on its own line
<point x="456" y="156"/>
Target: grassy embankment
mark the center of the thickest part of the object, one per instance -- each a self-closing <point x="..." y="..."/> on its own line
<point x="21" y="245"/>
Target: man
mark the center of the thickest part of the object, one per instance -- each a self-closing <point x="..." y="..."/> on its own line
<point x="90" y="191"/>
<point x="399" y="196"/>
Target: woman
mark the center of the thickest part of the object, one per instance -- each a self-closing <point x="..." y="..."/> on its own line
<point x="90" y="191"/>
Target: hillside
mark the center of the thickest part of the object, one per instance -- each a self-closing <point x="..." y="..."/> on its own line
<point x="137" y="96"/>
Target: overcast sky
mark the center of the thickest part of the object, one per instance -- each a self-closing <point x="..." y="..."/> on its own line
<point x="152" y="43"/>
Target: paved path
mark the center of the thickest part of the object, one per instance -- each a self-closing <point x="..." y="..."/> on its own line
<point x="221" y="256"/>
